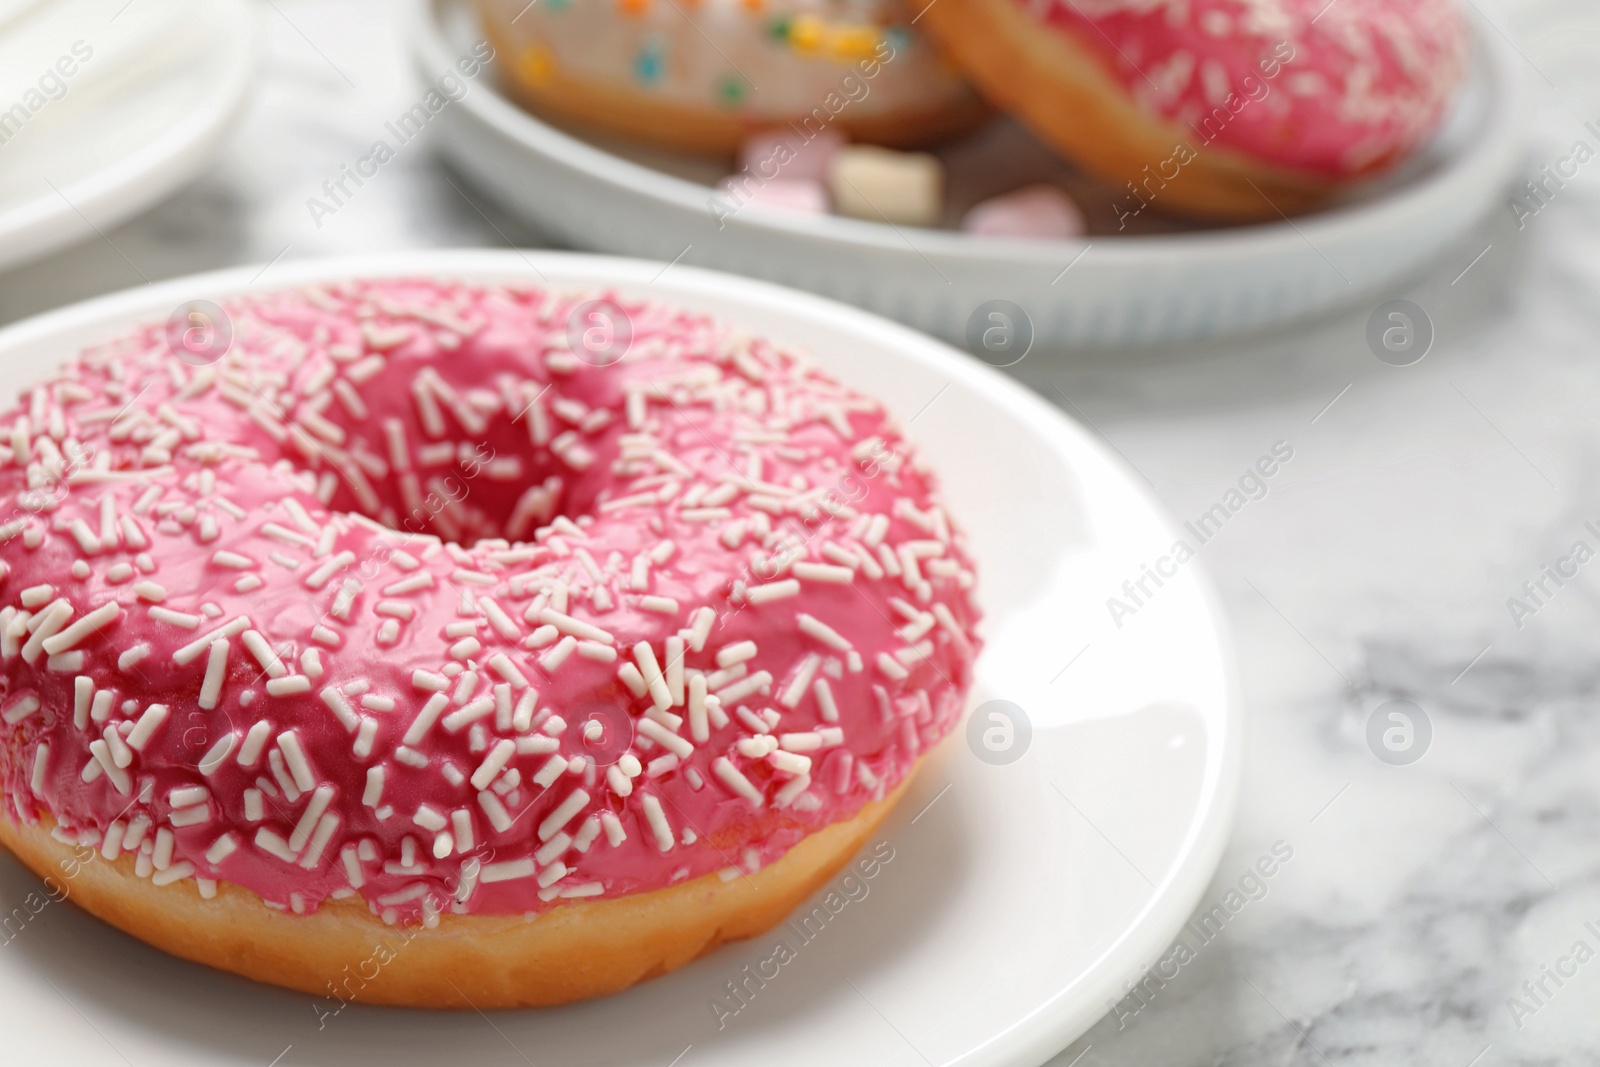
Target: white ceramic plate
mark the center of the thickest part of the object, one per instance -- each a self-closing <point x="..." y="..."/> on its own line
<point x="90" y="160"/>
<point x="1119" y="291"/>
<point x="1019" y="897"/>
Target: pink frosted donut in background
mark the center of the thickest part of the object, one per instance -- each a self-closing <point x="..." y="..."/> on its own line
<point x="1230" y="108"/>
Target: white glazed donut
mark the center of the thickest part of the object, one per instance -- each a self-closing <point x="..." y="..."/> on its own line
<point x="703" y="76"/>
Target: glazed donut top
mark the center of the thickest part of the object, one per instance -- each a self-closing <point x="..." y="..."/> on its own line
<point x="770" y="59"/>
<point x="693" y="605"/>
<point x="1334" y="89"/>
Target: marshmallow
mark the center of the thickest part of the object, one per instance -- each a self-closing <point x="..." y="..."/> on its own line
<point x="877" y="184"/>
<point x="1036" y="211"/>
<point x="789" y="155"/>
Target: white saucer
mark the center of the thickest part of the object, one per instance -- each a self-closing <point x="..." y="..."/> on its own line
<point x="1108" y="291"/>
<point x="1019" y="897"/>
<point x="105" y="166"/>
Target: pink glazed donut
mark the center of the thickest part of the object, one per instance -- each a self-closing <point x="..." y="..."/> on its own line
<point x="543" y="644"/>
<point x="1233" y="109"/>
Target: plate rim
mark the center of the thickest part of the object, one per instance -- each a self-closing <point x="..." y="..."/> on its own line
<point x="1052" y="1025"/>
<point x="1492" y="149"/>
<point x="117" y="191"/>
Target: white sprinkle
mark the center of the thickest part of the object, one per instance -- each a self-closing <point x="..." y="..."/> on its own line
<point x="461" y="827"/>
<point x="699" y="726"/>
<point x="429" y="681"/>
<point x="221" y="849"/>
<point x="41" y="757"/>
<point x="264" y="654"/>
<point x="319" y="840"/>
<point x="796" y="689"/>
<point x="182" y="869"/>
<point x="700" y="629"/>
<point x="493" y="763"/>
<point x="133" y="535"/>
<point x="757" y="682"/>
<point x="537" y="745"/>
<point x="233" y="560"/>
<point x="426" y="718"/>
<point x="658" y="822"/>
<point x="365" y="736"/>
<point x="352" y="866"/>
<point x="791" y="791"/>
<point x="44" y="625"/>
<point x="665" y="738"/>
<point x="146" y="727"/>
<point x="273" y="844"/>
<point x="288" y="685"/>
<point x="212" y="761"/>
<point x="429" y="818"/>
<point x="735" y="780"/>
<point x="630" y="676"/>
<point x="295" y="756"/>
<point x="891" y="668"/>
<point x="650" y="669"/>
<point x="188" y="653"/>
<point x="507" y="870"/>
<point x="414" y="584"/>
<point x="22" y="709"/>
<point x="554" y="658"/>
<point x="814" y="627"/>
<point x="91" y="623"/>
<point x="175" y="618"/>
<point x="494" y="811"/>
<point x="506" y="669"/>
<point x="822" y="572"/>
<point x="563" y="814"/>
<point x="216" y="666"/>
<point x="553" y="848"/>
<point x="325" y="572"/>
<point x="789" y="762"/>
<point x="553" y="768"/>
<point x="374" y="790"/>
<point x="286" y="535"/>
<point x="738" y="652"/>
<point x="84" y="536"/>
<point x="576" y="627"/>
<point x="761" y="594"/>
<point x="469" y="713"/>
<point x="254" y="741"/>
<point x="596" y="651"/>
<point x="675" y="653"/>
<point x="503" y="624"/>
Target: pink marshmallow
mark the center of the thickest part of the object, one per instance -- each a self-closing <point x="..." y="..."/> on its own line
<point x="784" y="193"/>
<point x="787" y="154"/>
<point x="1037" y="211"/>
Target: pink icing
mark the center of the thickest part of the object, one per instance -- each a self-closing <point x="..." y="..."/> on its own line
<point x="1336" y="89"/>
<point x="612" y="532"/>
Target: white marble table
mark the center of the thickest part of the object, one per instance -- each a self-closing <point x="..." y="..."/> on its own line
<point x="1379" y="566"/>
